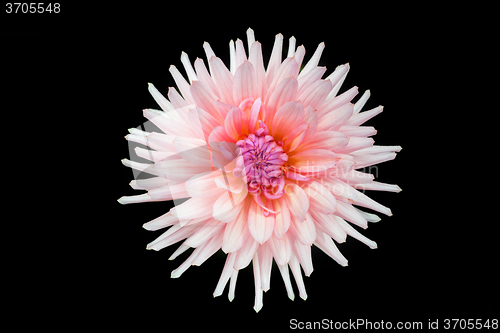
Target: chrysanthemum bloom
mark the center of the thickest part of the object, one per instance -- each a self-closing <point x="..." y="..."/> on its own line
<point x="268" y="160"/>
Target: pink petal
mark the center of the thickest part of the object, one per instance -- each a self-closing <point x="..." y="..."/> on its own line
<point x="330" y="140"/>
<point x="326" y="223"/>
<point x="309" y="78"/>
<point x="320" y="198"/>
<point x="280" y="248"/>
<point x="163" y="221"/>
<point x="245" y="83"/>
<point x="223" y="79"/>
<point x="313" y="62"/>
<point x="339" y="101"/>
<point x="349" y="213"/>
<point x="246" y="252"/>
<point x="160" y="99"/>
<point x="227" y="207"/>
<point x="358" y="130"/>
<point x="362" y="117"/>
<point x="315" y="95"/>
<point x="265" y="263"/>
<point x="193" y="150"/>
<point x="178" y="170"/>
<point x="303" y="254"/>
<point x="286" y="279"/>
<point x="325" y="243"/>
<point x="206" y="250"/>
<point x="285" y="92"/>
<point x="226" y="274"/>
<point x="288" y="117"/>
<point x="219" y="135"/>
<point x="204" y="76"/>
<point x="297" y="200"/>
<point x="204" y="232"/>
<point x="335" y="119"/>
<point x="295" y="267"/>
<point x="261" y="227"/>
<point x="275" y="60"/>
<point x="282" y="222"/>
<point x="314" y="160"/>
<point x="355" y="144"/>
<point x="181" y="84"/>
<point x="354" y="233"/>
<point x="255" y="58"/>
<point x="205" y="99"/>
<point x="258" y="286"/>
<point x="303" y="231"/>
<point x="171" y="236"/>
<point x="236" y="123"/>
<point x="363" y="161"/>
<point x="236" y="231"/>
<point x="311" y="119"/>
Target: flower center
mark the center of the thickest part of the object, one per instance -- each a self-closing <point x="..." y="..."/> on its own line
<point x="264" y="163"/>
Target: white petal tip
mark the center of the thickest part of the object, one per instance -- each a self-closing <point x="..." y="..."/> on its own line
<point x="303" y="296"/>
<point x="291" y="297"/>
<point x="257" y="308"/>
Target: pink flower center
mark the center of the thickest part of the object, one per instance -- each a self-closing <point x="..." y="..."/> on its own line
<point x="264" y="163"/>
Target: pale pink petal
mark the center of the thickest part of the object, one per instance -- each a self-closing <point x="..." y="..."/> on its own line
<point x="240" y="55"/>
<point x="275" y="60"/>
<point x="365" y="201"/>
<point x="196" y="207"/>
<point x="297" y="200"/>
<point x="326" y="223"/>
<point x="314" y="160"/>
<point x="258" y="286"/>
<point x="311" y="119"/>
<point x="206" y="250"/>
<point x="303" y="254"/>
<point x="306" y="80"/>
<point x="303" y="231"/>
<point x="320" y="198"/>
<point x="227" y="271"/>
<point x="349" y="213"/>
<point x="313" y="62"/>
<point x="236" y="231"/>
<point x="193" y="150"/>
<point x="244" y="83"/>
<point x="265" y="263"/>
<point x="339" y="101"/>
<point x="204" y="232"/>
<point x="376" y="186"/>
<point x="255" y="58"/>
<point x="330" y="140"/>
<point x="361" y="102"/>
<point x="223" y="79"/>
<point x="362" y="117"/>
<point x="286" y="279"/>
<point x="315" y="95"/>
<point x="334" y="120"/>
<point x="188" y="67"/>
<point x="205" y="99"/>
<point x="337" y="78"/>
<point x="201" y="184"/>
<point x="148" y="184"/>
<point x="260" y="226"/>
<point x="163" y="221"/>
<point x="232" y="285"/>
<point x="236" y="123"/>
<point x="326" y="244"/>
<point x="297" y="274"/>
<point x="285" y="92"/>
<point x="282" y="222"/>
<point x="288" y="117"/>
<point x="363" y="161"/>
<point x="171" y="236"/>
<point x="356" y="143"/>
<point x="354" y="233"/>
<point x="217" y="136"/>
<point x="204" y="76"/>
<point x="181" y="84"/>
<point x="228" y="205"/>
<point x="246" y="252"/>
<point x="362" y="131"/>
<point x="160" y="99"/>
<point x="281" y="249"/>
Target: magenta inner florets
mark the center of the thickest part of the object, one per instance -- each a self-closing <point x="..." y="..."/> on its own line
<point x="264" y="163"/>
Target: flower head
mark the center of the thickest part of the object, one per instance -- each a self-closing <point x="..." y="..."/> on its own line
<point x="268" y="159"/>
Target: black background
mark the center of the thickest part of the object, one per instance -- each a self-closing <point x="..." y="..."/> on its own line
<point x="78" y="81"/>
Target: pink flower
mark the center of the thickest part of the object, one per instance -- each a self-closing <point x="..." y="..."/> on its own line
<point x="269" y="160"/>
